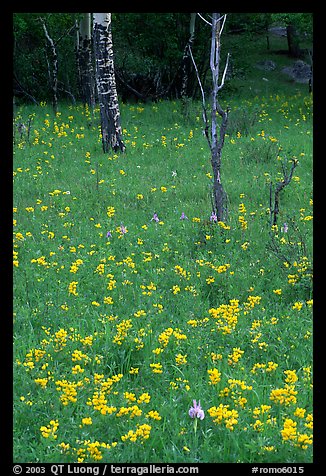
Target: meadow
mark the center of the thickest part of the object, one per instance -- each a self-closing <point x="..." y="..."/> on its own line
<point x="131" y="301"/>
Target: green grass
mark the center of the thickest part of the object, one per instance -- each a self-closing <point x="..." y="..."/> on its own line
<point x="182" y="295"/>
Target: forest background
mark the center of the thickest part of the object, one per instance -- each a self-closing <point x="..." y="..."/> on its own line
<point x="148" y="52"/>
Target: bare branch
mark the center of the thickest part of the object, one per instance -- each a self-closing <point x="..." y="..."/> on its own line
<point x="224" y="18"/>
<point x="287" y="177"/>
<point x="136" y="93"/>
<point x="210" y="24"/>
<point x="203" y="98"/>
<point x="23" y="90"/>
<point x="46" y="33"/>
<point x="224" y="72"/>
<point x="67" y="32"/>
<point x="200" y="16"/>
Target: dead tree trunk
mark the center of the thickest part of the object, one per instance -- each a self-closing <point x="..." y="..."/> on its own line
<point x="186" y="62"/>
<point x="54" y="75"/>
<point x="293" y="39"/>
<point x="216" y="141"/>
<point x="106" y="85"/>
<point x="219" y="195"/>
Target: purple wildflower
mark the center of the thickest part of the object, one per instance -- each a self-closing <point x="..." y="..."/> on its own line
<point x="196" y="411"/>
<point x="213" y="217"/>
<point x="109" y="234"/>
<point x="155" y="218"/>
<point x="183" y="216"/>
<point x="285" y="228"/>
<point x="123" y="229"/>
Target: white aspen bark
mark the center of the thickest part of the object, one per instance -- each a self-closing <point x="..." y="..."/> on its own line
<point x="217" y="143"/>
<point x="54" y="78"/>
<point x="85" y="63"/>
<point x="106" y="84"/>
<point x="219" y="197"/>
<point x="186" y="56"/>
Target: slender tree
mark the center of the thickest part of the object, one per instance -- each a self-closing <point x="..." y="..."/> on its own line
<point x="85" y="60"/>
<point x="54" y="75"/>
<point x="106" y="84"/>
<point x="186" y="61"/>
<point x="215" y="139"/>
<point x="293" y="39"/>
<point x="219" y="194"/>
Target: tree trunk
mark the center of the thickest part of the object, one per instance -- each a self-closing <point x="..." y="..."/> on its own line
<point x="106" y="85"/>
<point x="217" y="140"/>
<point x="186" y="60"/>
<point x="54" y="75"/>
<point x="293" y="41"/>
<point x="85" y="63"/>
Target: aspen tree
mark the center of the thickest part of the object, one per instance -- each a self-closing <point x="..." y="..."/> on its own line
<point x="106" y="84"/>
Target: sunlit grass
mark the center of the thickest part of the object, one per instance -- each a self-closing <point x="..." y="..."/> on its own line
<point x="130" y="302"/>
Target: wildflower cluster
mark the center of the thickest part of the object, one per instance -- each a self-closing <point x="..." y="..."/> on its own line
<point x="226" y="316"/>
<point x="222" y="414"/>
<point x="50" y="431"/>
